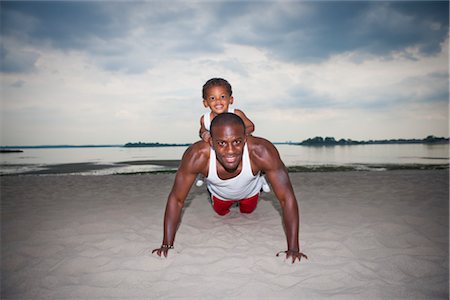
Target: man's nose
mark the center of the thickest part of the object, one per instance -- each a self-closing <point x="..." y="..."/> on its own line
<point x="229" y="148"/>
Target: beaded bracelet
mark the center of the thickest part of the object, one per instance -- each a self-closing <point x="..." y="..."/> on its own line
<point x="167" y="246"/>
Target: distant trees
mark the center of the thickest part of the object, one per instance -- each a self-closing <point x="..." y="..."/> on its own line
<point x="431" y="139"/>
<point x="331" y="141"/>
<point x="141" y="144"/>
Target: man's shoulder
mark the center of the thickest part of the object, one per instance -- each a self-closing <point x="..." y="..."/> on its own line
<point x="263" y="154"/>
<point x="260" y="147"/>
<point x="198" y="148"/>
<point x="196" y="154"/>
<point x="257" y="143"/>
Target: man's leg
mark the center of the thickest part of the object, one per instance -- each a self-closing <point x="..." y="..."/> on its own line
<point x="221" y="207"/>
<point x="248" y="205"/>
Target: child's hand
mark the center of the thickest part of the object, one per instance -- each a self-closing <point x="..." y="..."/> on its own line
<point x="206" y="136"/>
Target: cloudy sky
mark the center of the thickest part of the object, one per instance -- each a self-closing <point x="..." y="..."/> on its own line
<point x="114" y="72"/>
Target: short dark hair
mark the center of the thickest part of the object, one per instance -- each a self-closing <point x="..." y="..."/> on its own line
<point x="216" y="82"/>
<point x="226" y="119"/>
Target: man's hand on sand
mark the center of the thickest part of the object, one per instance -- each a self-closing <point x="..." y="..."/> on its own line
<point x="164" y="250"/>
<point x="293" y="254"/>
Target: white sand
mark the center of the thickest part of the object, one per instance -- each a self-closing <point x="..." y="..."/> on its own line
<point x="368" y="235"/>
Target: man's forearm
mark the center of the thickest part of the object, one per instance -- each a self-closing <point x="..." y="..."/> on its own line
<point x="171" y="220"/>
<point x="291" y="223"/>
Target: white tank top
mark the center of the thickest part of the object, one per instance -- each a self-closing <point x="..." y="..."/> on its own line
<point x="243" y="186"/>
<point x="207" y="118"/>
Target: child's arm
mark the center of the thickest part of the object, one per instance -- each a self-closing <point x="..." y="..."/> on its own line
<point x="204" y="134"/>
<point x="249" y="126"/>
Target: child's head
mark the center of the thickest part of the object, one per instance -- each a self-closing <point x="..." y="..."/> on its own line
<point x="216" y="82"/>
<point x="217" y="95"/>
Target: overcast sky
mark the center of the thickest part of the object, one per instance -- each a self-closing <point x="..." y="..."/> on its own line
<point x="116" y="72"/>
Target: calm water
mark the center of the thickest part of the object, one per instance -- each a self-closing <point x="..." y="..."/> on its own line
<point x="32" y="159"/>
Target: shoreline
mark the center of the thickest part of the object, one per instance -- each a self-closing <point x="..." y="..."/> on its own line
<point x="171" y="166"/>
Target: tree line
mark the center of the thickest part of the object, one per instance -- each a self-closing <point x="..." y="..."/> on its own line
<point x="331" y="141"/>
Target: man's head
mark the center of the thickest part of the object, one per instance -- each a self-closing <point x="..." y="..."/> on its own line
<point x="217" y="95"/>
<point x="228" y="139"/>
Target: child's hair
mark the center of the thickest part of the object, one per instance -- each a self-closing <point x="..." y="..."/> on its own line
<point x="216" y="82"/>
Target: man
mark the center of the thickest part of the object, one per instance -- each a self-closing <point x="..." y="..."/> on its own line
<point x="231" y="164"/>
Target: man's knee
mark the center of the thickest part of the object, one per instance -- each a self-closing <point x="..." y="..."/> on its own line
<point x="246" y="209"/>
<point x="221" y="207"/>
<point x="221" y="212"/>
<point x="247" y="206"/>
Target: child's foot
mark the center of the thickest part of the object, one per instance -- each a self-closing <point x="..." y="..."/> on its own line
<point x="265" y="185"/>
<point x="199" y="182"/>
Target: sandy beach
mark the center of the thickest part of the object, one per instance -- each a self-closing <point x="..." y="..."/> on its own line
<point x="368" y="235"/>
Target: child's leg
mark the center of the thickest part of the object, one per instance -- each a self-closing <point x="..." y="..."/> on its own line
<point x="265" y="185"/>
<point x="221" y="207"/>
<point x="199" y="180"/>
<point x="248" y="205"/>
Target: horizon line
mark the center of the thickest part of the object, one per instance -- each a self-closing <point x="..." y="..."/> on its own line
<point x="184" y="144"/>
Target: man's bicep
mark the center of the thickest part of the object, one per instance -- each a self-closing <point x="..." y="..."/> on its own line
<point x="186" y="174"/>
<point x="182" y="184"/>
<point x="277" y="174"/>
<point x="279" y="177"/>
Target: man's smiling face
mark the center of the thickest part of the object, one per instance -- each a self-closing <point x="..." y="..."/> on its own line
<point x="228" y="142"/>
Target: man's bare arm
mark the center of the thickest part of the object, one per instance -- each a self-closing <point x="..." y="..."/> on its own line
<point x="276" y="172"/>
<point x="190" y="166"/>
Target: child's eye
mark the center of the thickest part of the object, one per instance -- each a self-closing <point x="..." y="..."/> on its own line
<point x="223" y="97"/>
<point x="212" y="98"/>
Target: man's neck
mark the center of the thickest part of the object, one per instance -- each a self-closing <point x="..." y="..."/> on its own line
<point x="225" y="173"/>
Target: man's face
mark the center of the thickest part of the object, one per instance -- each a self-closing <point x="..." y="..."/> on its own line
<point x="228" y="142"/>
<point x="217" y="99"/>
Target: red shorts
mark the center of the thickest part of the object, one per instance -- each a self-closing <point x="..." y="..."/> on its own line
<point x="246" y="206"/>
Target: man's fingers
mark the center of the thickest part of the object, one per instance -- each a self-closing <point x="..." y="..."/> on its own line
<point x="161" y="251"/>
<point x="158" y="252"/>
<point x="296" y="256"/>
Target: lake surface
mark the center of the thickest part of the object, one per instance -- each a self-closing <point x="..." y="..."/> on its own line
<point x="292" y="155"/>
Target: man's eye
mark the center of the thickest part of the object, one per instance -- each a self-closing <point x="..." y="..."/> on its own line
<point x="221" y="144"/>
<point x="237" y="142"/>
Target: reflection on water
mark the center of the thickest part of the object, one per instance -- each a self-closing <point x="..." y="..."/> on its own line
<point x="292" y="155"/>
<point x="365" y="154"/>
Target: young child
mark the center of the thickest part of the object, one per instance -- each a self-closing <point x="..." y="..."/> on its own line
<point x="217" y="96"/>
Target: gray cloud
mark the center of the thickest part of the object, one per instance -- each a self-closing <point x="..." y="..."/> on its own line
<point x="291" y="31"/>
<point x="315" y="31"/>
<point x="18" y="84"/>
<point x="17" y="60"/>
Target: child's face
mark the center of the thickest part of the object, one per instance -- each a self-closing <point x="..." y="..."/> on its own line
<point x="217" y="99"/>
